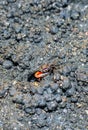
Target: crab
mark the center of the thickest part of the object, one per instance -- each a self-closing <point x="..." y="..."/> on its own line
<point x="44" y="70"/>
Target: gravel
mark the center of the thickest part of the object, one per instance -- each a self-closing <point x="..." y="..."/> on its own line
<point x="34" y="33"/>
<point x="7" y="64"/>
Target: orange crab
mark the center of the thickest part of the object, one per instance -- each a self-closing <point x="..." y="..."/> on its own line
<point x="39" y="75"/>
<point x="44" y="70"/>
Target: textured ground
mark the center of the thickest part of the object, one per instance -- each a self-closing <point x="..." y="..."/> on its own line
<point x="33" y="33"/>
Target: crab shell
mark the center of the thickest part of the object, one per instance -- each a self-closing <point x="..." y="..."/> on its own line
<point x="45" y="68"/>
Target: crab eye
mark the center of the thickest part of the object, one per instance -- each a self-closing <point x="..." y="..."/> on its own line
<point x="45" y="69"/>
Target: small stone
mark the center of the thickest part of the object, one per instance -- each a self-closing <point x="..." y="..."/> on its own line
<point x="49" y="90"/>
<point x="35" y="100"/>
<point x="40" y="90"/>
<point x="18" y="29"/>
<point x="38" y="111"/>
<point x="11" y="1"/>
<point x="29" y="110"/>
<point x="85" y="51"/>
<point x="18" y="98"/>
<point x="41" y="121"/>
<point x="66" y="84"/>
<point x="66" y="69"/>
<point x="62" y="54"/>
<point x="74" y="99"/>
<point x="62" y="105"/>
<point x="58" y="98"/>
<point x="42" y="102"/>
<point x="54" y="87"/>
<point x="59" y="91"/>
<point x="52" y="105"/>
<point x="86" y="112"/>
<point x="3" y="93"/>
<point x="60" y="23"/>
<point x="7" y="34"/>
<point x="19" y="36"/>
<point x="34" y="103"/>
<point x="27" y="98"/>
<point x="74" y="15"/>
<point x="65" y="14"/>
<point x="70" y="91"/>
<point x="33" y="90"/>
<point x="65" y="3"/>
<point x="1" y="125"/>
<point x="37" y="39"/>
<point x="48" y="97"/>
<point x="12" y="91"/>
<point x="82" y="76"/>
<point x="56" y="39"/>
<point x="54" y="30"/>
<point x="56" y="77"/>
<point x="7" y="64"/>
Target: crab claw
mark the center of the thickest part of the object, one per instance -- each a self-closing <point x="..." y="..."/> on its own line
<point x="40" y="74"/>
